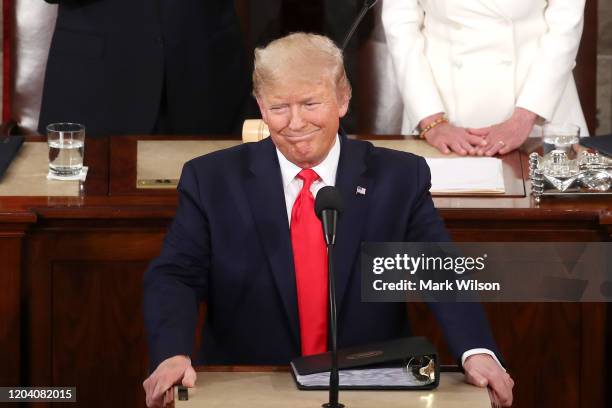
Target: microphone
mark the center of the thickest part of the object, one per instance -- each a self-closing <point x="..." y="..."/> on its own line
<point x="367" y="4"/>
<point x="328" y="207"/>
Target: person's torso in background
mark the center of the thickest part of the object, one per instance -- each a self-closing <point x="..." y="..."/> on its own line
<point x="480" y="53"/>
<point x="110" y="60"/>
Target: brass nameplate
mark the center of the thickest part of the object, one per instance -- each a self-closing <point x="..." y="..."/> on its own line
<point x="158" y="183"/>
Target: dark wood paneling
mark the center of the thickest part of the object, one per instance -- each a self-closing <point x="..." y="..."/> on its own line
<point x="123" y="165"/>
<point x="13" y="226"/>
<point x="541" y="346"/>
<point x="243" y="11"/>
<point x="98" y="340"/>
<point x="10" y="299"/>
<point x="84" y="320"/>
<point x="548" y="347"/>
<point x="607" y="338"/>
<point x="96" y="158"/>
<point x="595" y="349"/>
<point x="492" y="231"/>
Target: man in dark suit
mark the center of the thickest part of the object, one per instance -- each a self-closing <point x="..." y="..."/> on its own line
<point x="246" y="241"/>
<point x="146" y="66"/>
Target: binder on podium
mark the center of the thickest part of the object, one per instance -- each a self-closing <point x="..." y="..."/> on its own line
<point x="400" y="364"/>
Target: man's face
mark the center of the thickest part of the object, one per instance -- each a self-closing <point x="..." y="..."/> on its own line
<point x="303" y="118"/>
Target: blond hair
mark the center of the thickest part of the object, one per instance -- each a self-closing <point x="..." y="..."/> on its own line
<point x="303" y="56"/>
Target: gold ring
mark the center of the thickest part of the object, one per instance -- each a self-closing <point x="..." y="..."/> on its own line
<point x="501" y="142"/>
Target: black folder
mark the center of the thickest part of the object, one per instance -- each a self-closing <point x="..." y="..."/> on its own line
<point x="394" y="353"/>
<point x="603" y="144"/>
<point x="8" y="150"/>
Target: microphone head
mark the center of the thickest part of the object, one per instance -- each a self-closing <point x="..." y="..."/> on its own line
<point x="328" y="198"/>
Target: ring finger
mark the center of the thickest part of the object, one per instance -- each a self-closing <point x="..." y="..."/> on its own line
<point x="506" y="149"/>
<point x="494" y="148"/>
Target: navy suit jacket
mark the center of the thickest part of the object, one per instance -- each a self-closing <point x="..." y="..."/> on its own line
<point x="230" y="246"/>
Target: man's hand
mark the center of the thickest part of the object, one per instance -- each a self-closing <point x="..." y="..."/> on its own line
<point x="159" y="386"/>
<point x="482" y="370"/>
<point x="508" y="135"/>
<point x="446" y="138"/>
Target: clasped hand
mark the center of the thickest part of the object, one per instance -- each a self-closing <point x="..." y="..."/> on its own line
<point x="501" y="138"/>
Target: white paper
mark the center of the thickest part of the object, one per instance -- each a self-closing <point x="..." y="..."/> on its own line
<point x="466" y="175"/>
<point x="372" y="377"/>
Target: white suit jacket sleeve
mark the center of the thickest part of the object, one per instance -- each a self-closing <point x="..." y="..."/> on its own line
<point x="402" y="20"/>
<point x="552" y="67"/>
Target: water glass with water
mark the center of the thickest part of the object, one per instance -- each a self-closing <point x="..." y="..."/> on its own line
<point x="66" y="145"/>
<point x="563" y="137"/>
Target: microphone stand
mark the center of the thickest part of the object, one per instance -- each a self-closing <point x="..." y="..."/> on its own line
<point x="366" y="6"/>
<point x="331" y="217"/>
<point x="334" y="376"/>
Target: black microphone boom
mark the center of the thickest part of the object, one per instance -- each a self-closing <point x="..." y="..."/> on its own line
<point x="367" y="4"/>
<point x="328" y="206"/>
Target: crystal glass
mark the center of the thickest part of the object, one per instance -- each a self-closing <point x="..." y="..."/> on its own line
<point x="564" y="137"/>
<point x="66" y="145"/>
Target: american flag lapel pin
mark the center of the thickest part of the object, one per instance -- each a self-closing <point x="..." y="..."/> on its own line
<point x="360" y="190"/>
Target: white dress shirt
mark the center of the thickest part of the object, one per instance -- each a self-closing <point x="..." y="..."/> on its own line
<point x="327" y="170"/>
<point x="292" y="184"/>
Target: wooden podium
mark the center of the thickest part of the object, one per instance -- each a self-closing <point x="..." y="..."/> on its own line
<point x="276" y="389"/>
<point x="73" y="255"/>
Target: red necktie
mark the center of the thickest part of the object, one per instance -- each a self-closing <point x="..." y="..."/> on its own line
<point x="310" y="259"/>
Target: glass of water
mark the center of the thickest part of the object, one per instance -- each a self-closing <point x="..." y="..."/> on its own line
<point x="563" y="137"/>
<point x="66" y="144"/>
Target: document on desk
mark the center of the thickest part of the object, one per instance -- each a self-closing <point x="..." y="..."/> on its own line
<point x="389" y="377"/>
<point x="466" y="175"/>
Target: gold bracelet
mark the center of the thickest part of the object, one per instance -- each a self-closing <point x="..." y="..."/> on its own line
<point x="441" y="119"/>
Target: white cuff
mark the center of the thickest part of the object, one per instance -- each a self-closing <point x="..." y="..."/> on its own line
<point x="471" y="352"/>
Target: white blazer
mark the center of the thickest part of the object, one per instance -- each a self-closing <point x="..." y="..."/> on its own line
<point x="477" y="60"/>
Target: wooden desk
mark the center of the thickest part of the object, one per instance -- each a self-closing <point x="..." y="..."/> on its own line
<point x="276" y="389"/>
<point x="71" y="274"/>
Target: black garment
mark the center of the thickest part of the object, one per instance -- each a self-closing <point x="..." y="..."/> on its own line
<point x="110" y="60"/>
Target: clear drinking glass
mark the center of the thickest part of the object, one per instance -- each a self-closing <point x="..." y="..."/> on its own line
<point x="66" y="145"/>
<point x="564" y="137"/>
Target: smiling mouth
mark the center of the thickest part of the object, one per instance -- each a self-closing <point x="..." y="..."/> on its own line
<point x="298" y="138"/>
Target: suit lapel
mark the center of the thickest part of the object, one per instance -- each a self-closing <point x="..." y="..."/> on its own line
<point x="352" y="174"/>
<point x="264" y="189"/>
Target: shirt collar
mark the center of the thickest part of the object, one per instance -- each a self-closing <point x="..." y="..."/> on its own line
<point x="326" y="169"/>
